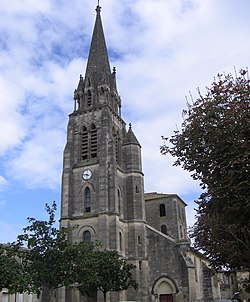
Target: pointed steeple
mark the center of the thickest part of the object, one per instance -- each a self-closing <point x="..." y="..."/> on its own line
<point x="98" y="87"/>
<point x="98" y="69"/>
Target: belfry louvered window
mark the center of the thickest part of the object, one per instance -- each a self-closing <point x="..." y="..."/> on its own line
<point x="93" y="143"/>
<point x="89" y="142"/>
<point x="85" y="143"/>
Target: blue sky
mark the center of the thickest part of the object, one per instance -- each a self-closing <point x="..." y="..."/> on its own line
<point x="162" y="49"/>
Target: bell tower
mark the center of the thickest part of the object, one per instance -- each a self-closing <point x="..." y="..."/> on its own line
<point x="102" y="179"/>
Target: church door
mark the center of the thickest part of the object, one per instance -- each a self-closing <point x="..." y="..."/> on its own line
<point x="166" y="298"/>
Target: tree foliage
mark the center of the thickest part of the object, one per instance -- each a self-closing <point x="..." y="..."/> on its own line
<point x="214" y="144"/>
<point x="46" y="259"/>
<point x="42" y="260"/>
<point x="12" y="273"/>
<point x="109" y="272"/>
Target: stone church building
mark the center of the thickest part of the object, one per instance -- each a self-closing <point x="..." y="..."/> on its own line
<point x="103" y="194"/>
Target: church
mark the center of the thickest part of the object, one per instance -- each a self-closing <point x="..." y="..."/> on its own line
<point x="103" y="195"/>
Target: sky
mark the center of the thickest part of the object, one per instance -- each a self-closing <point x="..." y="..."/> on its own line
<point x="163" y="51"/>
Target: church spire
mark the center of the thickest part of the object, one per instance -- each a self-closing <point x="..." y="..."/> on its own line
<point x="98" y="68"/>
<point x="98" y="87"/>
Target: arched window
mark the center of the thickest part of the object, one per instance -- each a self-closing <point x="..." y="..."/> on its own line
<point x="164" y="229"/>
<point x="87" y="200"/>
<point x="85" y="146"/>
<point x="162" y="210"/>
<point x="86" y="236"/>
<point x="93" y="141"/>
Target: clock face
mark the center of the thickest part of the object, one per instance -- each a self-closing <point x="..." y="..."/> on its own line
<point x="86" y="174"/>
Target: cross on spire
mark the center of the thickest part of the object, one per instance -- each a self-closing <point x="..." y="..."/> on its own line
<point x="98" y="8"/>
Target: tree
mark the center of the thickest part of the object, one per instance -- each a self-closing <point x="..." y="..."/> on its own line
<point x="42" y="260"/>
<point x="214" y="144"/>
<point x="12" y="273"/>
<point x="83" y="269"/>
<point x="108" y="272"/>
<point x="47" y="259"/>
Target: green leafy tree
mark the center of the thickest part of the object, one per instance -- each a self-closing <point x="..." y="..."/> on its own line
<point x="82" y="267"/>
<point x="108" y="272"/>
<point x="43" y="260"/>
<point x="12" y="273"/>
<point x="214" y="144"/>
<point x="47" y="258"/>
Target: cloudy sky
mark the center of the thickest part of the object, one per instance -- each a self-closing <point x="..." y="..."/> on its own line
<point x="162" y="49"/>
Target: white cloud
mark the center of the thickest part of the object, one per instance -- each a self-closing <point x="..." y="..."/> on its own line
<point x="162" y="49"/>
<point x="38" y="163"/>
<point x="25" y="6"/>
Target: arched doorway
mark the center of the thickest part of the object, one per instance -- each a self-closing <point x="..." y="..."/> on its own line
<point x="164" y="290"/>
